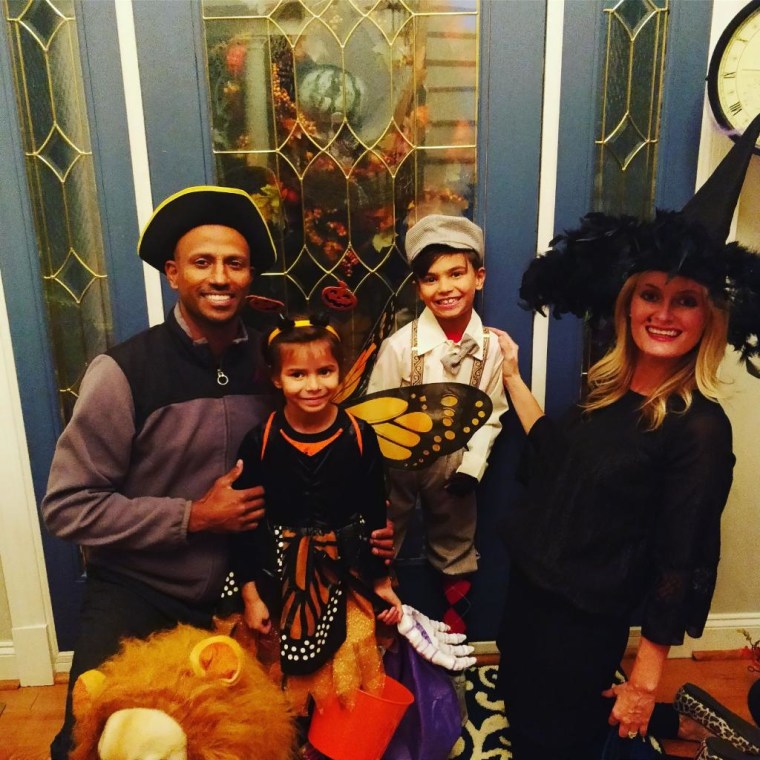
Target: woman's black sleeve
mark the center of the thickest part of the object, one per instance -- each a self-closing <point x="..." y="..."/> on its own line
<point x="697" y="474"/>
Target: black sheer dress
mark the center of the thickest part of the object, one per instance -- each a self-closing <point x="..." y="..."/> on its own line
<point x="615" y="519"/>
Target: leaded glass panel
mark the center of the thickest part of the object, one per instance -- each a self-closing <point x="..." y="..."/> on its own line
<point x="346" y="120"/>
<point x="629" y="120"/>
<point x="59" y="163"/>
<point x="634" y="60"/>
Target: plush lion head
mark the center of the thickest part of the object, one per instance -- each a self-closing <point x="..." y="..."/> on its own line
<point x="181" y="695"/>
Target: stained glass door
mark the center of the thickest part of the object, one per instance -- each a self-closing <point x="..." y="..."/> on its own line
<point x="346" y="120"/>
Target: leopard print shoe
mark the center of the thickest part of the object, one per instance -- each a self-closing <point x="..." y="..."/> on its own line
<point x="718" y="719"/>
<point x="714" y="748"/>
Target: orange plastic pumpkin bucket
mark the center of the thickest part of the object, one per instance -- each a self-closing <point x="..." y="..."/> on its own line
<point x="364" y="732"/>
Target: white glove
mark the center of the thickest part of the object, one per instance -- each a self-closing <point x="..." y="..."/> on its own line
<point x="432" y="640"/>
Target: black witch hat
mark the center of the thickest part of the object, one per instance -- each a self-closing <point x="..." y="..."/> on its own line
<point x="584" y="269"/>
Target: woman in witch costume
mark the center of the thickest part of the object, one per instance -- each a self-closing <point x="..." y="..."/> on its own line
<point x="624" y="495"/>
<point x="308" y="572"/>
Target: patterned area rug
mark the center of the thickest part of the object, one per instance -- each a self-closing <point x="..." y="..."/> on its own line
<point x="483" y="734"/>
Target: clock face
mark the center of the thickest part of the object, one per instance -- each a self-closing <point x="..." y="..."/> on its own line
<point x="733" y="81"/>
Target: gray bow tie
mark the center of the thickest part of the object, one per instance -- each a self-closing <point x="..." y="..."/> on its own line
<point x="456" y="354"/>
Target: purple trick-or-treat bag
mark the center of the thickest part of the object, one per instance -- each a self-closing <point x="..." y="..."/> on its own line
<point x="432" y="724"/>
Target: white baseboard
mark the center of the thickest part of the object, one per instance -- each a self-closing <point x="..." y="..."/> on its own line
<point x="9" y="670"/>
<point x="63" y="662"/>
<point x="33" y="656"/>
<point x="722" y="631"/>
<point x="8" y="667"/>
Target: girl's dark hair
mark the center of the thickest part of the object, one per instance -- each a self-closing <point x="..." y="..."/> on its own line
<point x="300" y="330"/>
<point x="421" y="264"/>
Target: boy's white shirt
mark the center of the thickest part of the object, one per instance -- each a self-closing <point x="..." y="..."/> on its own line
<point x="394" y="367"/>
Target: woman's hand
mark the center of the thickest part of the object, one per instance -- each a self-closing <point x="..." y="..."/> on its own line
<point x="509" y="352"/>
<point x="634" y="700"/>
<point x="632" y="710"/>
<point x="527" y="408"/>
<point x="391" y="616"/>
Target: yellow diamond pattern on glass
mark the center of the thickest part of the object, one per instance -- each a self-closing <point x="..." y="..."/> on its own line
<point x="59" y="163"/>
<point x="631" y="100"/>
<point x="347" y="120"/>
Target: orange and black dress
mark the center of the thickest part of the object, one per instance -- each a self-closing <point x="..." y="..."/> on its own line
<point x="310" y="558"/>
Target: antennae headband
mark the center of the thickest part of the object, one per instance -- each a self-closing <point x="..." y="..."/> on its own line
<point x="300" y="323"/>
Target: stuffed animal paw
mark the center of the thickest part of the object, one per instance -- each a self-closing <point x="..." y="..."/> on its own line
<point x="432" y="640"/>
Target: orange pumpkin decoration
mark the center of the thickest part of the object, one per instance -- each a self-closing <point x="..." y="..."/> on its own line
<point x="339" y="297"/>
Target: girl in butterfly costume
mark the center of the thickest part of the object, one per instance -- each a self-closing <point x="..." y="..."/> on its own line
<point x="309" y="571"/>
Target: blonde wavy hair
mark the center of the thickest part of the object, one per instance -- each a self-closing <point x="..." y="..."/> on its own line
<point x="610" y="378"/>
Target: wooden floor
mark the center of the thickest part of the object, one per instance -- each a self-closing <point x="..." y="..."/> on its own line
<point x="32" y="716"/>
<point x="728" y="680"/>
<point x="30" y="720"/>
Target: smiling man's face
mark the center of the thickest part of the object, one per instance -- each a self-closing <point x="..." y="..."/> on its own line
<point x="211" y="272"/>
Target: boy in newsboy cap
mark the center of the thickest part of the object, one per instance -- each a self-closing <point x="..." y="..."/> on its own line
<point x="447" y="343"/>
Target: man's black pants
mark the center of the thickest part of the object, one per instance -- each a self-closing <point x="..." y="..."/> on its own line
<point x="114" y="608"/>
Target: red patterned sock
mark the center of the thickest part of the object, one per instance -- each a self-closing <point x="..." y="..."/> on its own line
<point x="455" y="589"/>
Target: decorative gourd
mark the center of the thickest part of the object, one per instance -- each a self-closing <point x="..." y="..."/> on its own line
<point x="327" y="89"/>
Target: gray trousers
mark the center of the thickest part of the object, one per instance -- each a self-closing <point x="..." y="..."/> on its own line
<point x="449" y="521"/>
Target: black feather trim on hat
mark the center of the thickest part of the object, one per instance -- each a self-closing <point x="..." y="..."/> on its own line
<point x="743" y="276"/>
<point x="584" y="269"/>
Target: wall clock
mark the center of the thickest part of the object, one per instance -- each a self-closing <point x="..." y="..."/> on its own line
<point x="733" y="79"/>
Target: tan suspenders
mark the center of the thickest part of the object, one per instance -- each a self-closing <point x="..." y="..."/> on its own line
<point x="418" y="361"/>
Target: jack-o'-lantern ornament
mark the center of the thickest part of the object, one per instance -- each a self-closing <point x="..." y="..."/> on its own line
<point x="339" y="297"/>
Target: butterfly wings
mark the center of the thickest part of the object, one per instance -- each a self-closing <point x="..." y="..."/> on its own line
<point x="417" y="424"/>
<point x="356" y="379"/>
<point x="313" y="614"/>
